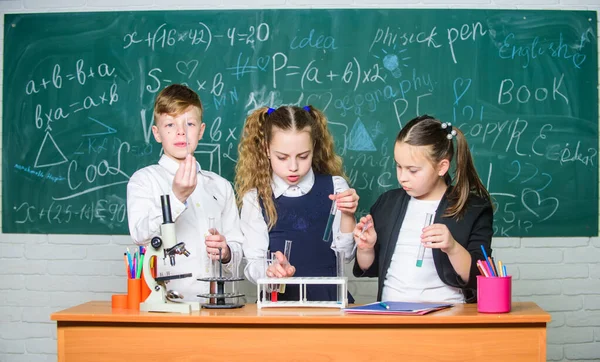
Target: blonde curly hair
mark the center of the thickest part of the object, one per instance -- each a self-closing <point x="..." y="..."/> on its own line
<point x="253" y="169"/>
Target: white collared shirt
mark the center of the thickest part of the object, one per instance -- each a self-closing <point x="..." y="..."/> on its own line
<point x="405" y="281"/>
<point x="256" y="233"/>
<point x="212" y="197"/>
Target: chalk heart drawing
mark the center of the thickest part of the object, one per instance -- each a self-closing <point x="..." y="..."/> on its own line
<point x="321" y="101"/>
<point x="531" y="199"/>
<point x="263" y="62"/>
<point x="187" y="68"/>
<point x="461" y="85"/>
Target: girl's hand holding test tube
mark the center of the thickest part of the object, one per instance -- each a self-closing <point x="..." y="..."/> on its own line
<point x="364" y="233"/>
<point x="346" y="202"/>
<point x="438" y="236"/>
<point x="421" y="253"/>
<point x="280" y="268"/>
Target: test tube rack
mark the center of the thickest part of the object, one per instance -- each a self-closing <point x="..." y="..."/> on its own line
<point x="217" y="298"/>
<point x="262" y="286"/>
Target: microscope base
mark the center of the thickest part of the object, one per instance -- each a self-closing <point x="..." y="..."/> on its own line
<point x="167" y="307"/>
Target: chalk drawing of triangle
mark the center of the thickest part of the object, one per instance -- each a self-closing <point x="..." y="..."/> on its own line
<point x="105" y="129"/>
<point x="359" y="139"/>
<point x="50" y="153"/>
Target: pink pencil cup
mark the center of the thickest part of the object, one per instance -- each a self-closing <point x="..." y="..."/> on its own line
<point x="494" y="294"/>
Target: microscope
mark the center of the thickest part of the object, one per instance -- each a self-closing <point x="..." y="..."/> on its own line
<point x="161" y="299"/>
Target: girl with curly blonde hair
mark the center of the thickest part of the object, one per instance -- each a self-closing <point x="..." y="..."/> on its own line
<point x="286" y="178"/>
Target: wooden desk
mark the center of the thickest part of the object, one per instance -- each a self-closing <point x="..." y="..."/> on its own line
<point x="94" y="332"/>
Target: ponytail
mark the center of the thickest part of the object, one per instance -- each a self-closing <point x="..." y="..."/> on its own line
<point x="325" y="159"/>
<point x="253" y="169"/>
<point x="466" y="178"/>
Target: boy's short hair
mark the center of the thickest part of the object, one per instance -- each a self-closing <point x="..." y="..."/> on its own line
<point x="175" y="99"/>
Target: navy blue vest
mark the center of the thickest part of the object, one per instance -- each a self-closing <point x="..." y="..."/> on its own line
<point x="303" y="220"/>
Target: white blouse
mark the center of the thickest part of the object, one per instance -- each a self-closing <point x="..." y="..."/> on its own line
<point x="256" y="233"/>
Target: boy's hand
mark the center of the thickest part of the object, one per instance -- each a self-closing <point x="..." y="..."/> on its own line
<point x="213" y="242"/>
<point x="364" y="233"/>
<point x="280" y="268"/>
<point x="347" y="201"/>
<point x="185" y="179"/>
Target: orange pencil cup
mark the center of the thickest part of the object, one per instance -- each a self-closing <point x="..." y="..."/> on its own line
<point x="145" y="289"/>
<point x="134" y="293"/>
<point x="119" y="301"/>
<point x="494" y="294"/>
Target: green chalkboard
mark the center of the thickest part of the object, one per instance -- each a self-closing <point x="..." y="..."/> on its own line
<point x="79" y="89"/>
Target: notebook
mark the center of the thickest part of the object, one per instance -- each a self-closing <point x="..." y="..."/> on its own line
<point x="397" y="308"/>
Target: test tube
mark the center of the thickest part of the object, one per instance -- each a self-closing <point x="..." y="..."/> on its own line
<point x="211" y="225"/>
<point x="421" y="254"/>
<point x="271" y="289"/>
<point x="286" y="252"/>
<point x="365" y="227"/>
<point x="340" y="257"/>
<point x="235" y="265"/>
<point x="235" y="272"/>
<point x="274" y="262"/>
<point x="220" y="263"/>
<point x="330" y="220"/>
<point x="213" y="263"/>
<point x="187" y="142"/>
<point x="208" y="265"/>
<point x="220" y="283"/>
<point x="267" y="292"/>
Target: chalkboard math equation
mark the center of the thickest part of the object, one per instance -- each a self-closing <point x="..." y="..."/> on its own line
<point x="521" y="84"/>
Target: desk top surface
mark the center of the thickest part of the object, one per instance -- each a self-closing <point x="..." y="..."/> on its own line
<point x="101" y="311"/>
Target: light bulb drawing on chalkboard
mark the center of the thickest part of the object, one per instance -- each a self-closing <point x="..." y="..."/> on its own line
<point x="394" y="62"/>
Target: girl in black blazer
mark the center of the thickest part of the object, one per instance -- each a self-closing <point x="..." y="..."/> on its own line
<point x="423" y="152"/>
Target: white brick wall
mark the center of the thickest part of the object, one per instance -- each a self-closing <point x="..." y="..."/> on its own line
<point x="40" y="274"/>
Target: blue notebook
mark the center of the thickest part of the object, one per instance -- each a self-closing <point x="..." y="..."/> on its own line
<point x="399" y="308"/>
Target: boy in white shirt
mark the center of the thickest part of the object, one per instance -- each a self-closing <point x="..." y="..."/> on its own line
<point x="196" y="195"/>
